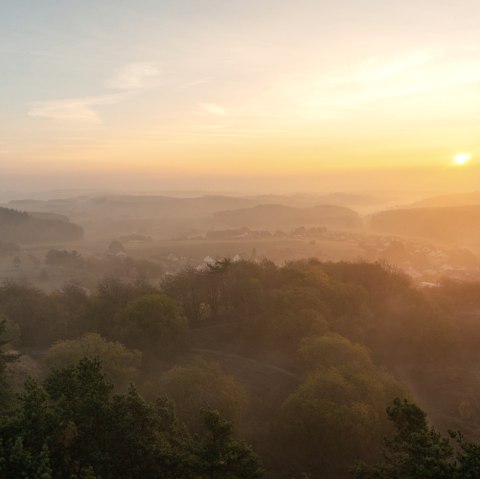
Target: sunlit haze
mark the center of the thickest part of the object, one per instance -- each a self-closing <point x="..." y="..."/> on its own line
<point x="225" y="95"/>
<point x="240" y="239"/>
<point x="462" y="159"/>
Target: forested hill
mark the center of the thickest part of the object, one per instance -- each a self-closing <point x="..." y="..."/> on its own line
<point x="22" y="227"/>
<point x="449" y="223"/>
<point x="278" y="216"/>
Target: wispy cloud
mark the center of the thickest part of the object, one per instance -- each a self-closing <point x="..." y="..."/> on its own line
<point x="210" y="109"/>
<point x="126" y="81"/>
<point x="234" y="130"/>
<point x="378" y="69"/>
<point x="194" y="83"/>
<point x="77" y="109"/>
<point x="376" y="79"/>
<point x="133" y="76"/>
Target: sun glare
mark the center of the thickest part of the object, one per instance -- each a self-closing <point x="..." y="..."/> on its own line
<point x="461" y="159"/>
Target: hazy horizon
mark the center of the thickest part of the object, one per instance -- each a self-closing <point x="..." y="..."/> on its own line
<point x="411" y="181"/>
<point x="240" y="239"/>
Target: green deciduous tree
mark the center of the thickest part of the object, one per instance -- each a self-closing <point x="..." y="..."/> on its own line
<point x="119" y="363"/>
<point x="336" y="415"/>
<point x="153" y="324"/>
<point x="36" y="313"/>
<point x="202" y="384"/>
<point x="76" y="428"/>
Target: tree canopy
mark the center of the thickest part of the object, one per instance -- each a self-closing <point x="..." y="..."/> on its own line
<point x="418" y="451"/>
<point x="75" y="427"/>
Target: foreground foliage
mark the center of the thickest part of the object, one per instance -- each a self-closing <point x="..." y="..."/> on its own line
<point x="319" y="348"/>
<point x="75" y="427"/>
<point x="417" y="451"/>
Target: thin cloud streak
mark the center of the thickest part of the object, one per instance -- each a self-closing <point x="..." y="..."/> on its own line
<point x="380" y="79"/>
<point x="75" y="109"/>
<point x="210" y="109"/>
<point x="133" y="76"/>
<point x="128" y="79"/>
<point x="194" y="83"/>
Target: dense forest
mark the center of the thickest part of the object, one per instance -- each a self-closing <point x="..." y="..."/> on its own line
<point x="242" y="370"/>
<point x="22" y="227"/>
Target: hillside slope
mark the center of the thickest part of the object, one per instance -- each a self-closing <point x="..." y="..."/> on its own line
<point x="277" y="216"/>
<point x="459" y="199"/>
<point x="22" y="227"/>
<point x="451" y="224"/>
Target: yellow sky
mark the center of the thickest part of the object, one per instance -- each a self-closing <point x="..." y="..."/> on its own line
<point x="239" y="88"/>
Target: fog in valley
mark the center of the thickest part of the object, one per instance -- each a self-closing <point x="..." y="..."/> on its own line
<point x="48" y="240"/>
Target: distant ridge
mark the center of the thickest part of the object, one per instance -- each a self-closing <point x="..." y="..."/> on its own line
<point x="151" y="206"/>
<point x="456" y="199"/>
<point x="302" y="200"/>
<point x="275" y="215"/>
<point x="449" y="223"/>
<point x="137" y="205"/>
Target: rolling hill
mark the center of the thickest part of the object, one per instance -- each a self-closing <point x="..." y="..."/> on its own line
<point x="278" y="216"/>
<point x="22" y="227"/>
<point x="450" y="224"/>
<point x="458" y="199"/>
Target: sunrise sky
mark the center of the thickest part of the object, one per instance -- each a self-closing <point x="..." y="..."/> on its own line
<point x="182" y="90"/>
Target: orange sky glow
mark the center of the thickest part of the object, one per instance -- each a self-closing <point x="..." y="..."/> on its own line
<point x="233" y="88"/>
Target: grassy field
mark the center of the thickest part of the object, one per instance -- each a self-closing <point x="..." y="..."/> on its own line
<point x="276" y="249"/>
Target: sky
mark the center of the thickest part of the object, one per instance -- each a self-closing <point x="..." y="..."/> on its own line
<point x="232" y="94"/>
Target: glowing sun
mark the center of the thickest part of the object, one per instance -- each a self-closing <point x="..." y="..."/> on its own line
<point x="461" y="159"/>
